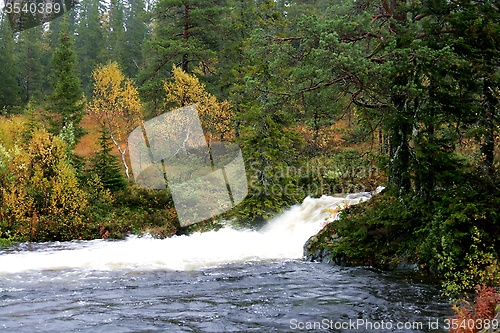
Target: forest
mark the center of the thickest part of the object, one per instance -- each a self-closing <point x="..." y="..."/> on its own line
<point x="323" y="97"/>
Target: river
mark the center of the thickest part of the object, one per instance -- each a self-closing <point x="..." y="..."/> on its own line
<point x="221" y="281"/>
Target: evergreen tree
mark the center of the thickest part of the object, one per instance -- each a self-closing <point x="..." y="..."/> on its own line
<point x="114" y="27"/>
<point x="185" y="34"/>
<point x="32" y="72"/>
<point x="477" y="40"/>
<point x="90" y="41"/>
<point x="419" y="90"/>
<point x="428" y="73"/>
<point x="67" y="98"/>
<point x="269" y="145"/>
<point x="9" y="89"/>
<point x="270" y="149"/>
<point x="106" y="166"/>
<point x="137" y="34"/>
<point x="54" y="32"/>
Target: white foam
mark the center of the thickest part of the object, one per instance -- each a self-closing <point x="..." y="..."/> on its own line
<point x="282" y="238"/>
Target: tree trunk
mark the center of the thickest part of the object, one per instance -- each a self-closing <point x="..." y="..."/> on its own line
<point x="185" y="36"/>
<point x="488" y="145"/>
<point x="399" y="150"/>
<point x="122" y="154"/>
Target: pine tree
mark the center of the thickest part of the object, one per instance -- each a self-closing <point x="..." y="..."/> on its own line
<point x="106" y="166"/>
<point x="185" y="34"/>
<point x="67" y="98"/>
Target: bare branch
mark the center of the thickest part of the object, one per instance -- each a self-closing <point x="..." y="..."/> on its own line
<point x="286" y="39"/>
<point x="441" y="32"/>
<point x="420" y="16"/>
<point x="370" y="106"/>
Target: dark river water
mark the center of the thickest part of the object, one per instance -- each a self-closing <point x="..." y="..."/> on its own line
<point x="280" y="296"/>
<point x="224" y="281"/>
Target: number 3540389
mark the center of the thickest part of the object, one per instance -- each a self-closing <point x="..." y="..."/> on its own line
<point x="32" y="8"/>
<point x="471" y="324"/>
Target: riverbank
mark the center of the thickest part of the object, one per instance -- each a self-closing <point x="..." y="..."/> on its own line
<point x="453" y="235"/>
<point x="382" y="233"/>
<point x="227" y="280"/>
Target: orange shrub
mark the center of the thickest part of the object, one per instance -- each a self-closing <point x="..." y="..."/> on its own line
<point x="479" y="317"/>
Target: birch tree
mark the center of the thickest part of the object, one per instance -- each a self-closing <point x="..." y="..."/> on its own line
<point x="116" y="106"/>
<point x="186" y="89"/>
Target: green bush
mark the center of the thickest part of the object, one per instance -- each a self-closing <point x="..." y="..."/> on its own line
<point x="455" y="234"/>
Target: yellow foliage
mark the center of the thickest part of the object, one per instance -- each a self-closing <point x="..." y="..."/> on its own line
<point x="11" y="129"/>
<point x="45" y="150"/>
<point x="14" y="175"/>
<point x="97" y="191"/>
<point x="38" y="179"/>
<point x="215" y="116"/>
<point x="16" y="203"/>
<point x="116" y="104"/>
<point x="66" y="198"/>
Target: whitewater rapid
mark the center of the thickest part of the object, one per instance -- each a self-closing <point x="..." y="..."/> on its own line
<point x="281" y="238"/>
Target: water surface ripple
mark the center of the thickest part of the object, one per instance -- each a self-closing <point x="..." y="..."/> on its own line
<point x="272" y="296"/>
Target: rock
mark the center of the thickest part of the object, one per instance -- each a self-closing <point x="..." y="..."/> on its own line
<point x="406" y="266"/>
<point x="312" y="253"/>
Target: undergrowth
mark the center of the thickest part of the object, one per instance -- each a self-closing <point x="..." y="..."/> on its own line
<point x="454" y="234"/>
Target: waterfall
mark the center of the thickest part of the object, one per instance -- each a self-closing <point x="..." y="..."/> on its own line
<point x="281" y="238"/>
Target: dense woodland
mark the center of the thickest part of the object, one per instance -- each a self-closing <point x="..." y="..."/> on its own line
<point x="323" y="96"/>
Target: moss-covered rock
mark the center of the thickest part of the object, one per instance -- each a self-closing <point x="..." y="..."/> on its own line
<point x="454" y="234"/>
<point x="360" y="238"/>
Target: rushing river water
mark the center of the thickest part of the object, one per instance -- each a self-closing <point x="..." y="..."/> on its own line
<point x="224" y="281"/>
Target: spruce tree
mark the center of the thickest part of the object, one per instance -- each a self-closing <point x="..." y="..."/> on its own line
<point x="67" y="98"/>
<point x="32" y="72"/>
<point x="136" y="25"/>
<point x="114" y="49"/>
<point x="90" y="42"/>
<point x="9" y="89"/>
<point x="106" y="166"/>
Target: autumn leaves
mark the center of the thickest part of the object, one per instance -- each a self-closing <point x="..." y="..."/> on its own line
<point x="116" y="105"/>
